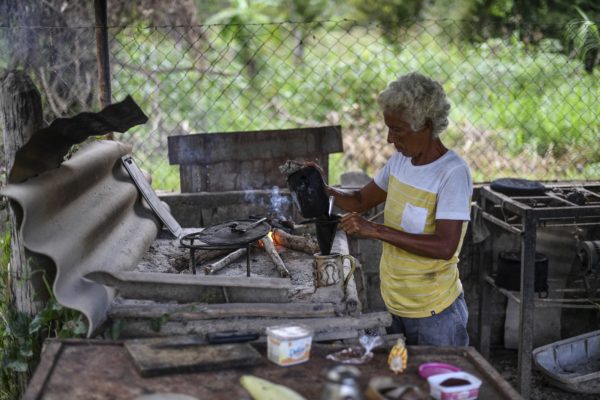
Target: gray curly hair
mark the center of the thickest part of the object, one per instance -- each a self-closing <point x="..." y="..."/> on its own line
<point x="420" y="98"/>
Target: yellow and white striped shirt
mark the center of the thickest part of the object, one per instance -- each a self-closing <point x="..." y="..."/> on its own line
<point x="414" y="286"/>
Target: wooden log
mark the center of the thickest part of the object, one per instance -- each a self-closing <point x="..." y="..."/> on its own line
<point x="269" y="247"/>
<point x="211" y="268"/>
<point x="295" y="242"/>
<point x="20" y="117"/>
<point x="203" y="311"/>
<point x="328" y="325"/>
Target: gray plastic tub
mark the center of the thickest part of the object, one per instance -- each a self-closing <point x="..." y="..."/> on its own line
<point x="572" y="364"/>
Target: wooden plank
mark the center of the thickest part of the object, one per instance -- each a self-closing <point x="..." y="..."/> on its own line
<point x="290" y="143"/>
<point x="489" y="371"/>
<point x="153" y="358"/>
<point x="50" y="354"/>
<point x="20" y="117"/>
<point x="137" y="328"/>
<point x="195" y="288"/>
<point x="235" y="174"/>
<point x="95" y="365"/>
<point x="229" y="310"/>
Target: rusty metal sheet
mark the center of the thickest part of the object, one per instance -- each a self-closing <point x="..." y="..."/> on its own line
<point x="85" y="216"/>
<point x="104" y="370"/>
<point x="48" y="146"/>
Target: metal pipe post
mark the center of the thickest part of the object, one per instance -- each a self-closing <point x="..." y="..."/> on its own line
<point x="527" y="306"/>
<point x="102" y="54"/>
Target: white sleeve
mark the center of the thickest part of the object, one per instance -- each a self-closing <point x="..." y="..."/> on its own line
<point x="383" y="176"/>
<point x="454" y="196"/>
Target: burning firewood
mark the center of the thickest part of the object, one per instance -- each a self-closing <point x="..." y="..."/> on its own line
<point x="225" y="261"/>
<point x="269" y="247"/>
<point x="294" y="242"/>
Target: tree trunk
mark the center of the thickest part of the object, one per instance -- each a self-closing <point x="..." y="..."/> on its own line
<point x="20" y="117"/>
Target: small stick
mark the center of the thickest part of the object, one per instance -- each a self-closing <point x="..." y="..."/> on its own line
<point x="225" y="261"/>
<point x="269" y="247"/>
<point x="374" y="217"/>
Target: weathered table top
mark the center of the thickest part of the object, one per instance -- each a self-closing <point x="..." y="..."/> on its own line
<point x="80" y="369"/>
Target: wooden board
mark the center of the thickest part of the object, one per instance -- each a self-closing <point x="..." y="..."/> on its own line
<point x="103" y="370"/>
<point x="154" y="357"/>
<point x="220" y="162"/>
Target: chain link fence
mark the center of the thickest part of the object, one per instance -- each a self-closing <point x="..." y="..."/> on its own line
<point x="517" y="110"/>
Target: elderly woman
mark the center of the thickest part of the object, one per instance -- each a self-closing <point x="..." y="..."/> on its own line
<point x="427" y="191"/>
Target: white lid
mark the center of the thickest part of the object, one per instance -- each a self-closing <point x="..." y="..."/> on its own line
<point x="286" y="332"/>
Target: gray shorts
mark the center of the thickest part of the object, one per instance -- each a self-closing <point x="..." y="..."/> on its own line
<point x="448" y="328"/>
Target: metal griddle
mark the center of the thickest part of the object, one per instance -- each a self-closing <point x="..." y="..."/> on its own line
<point x="228" y="235"/>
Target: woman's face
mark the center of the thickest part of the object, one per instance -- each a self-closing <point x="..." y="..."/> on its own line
<point x="408" y="142"/>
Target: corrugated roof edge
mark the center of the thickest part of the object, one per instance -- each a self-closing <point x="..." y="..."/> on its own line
<point x="86" y="215"/>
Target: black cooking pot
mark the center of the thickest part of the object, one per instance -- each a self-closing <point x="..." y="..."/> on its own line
<point x="308" y="192"/>
<point x="508" y="275"/>
<point x="518" y="187"/>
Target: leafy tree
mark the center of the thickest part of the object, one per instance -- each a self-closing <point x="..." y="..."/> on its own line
<point x="391" y="15"/>
<point x="583" y="35"/>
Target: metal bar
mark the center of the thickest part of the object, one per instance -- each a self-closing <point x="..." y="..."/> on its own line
<point x="564" y="212"/>
<point x="554" y="196"/>
<point x="546" y="303"/>
<point x="527" y="306"/>
<point x="552" y="225"/>
<point x="504" y="201"/>
<point x="505" y="225"/>
<point x="102" y="54"/>
<point x="484" y="321"/>
<point x="589" y="192"/>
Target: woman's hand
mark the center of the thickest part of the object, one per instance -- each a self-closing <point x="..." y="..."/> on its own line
<point x="354" y="224"/>
<point x="315" y="165"/>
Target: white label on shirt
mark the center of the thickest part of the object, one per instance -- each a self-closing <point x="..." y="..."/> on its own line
<point x="413" y="218"/>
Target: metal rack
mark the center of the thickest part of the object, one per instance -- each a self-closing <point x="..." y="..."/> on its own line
<point x="230" y="235"/>
<point x="561" y="205"/>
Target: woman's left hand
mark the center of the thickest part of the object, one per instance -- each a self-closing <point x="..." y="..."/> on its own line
<point x="354" y="224"/>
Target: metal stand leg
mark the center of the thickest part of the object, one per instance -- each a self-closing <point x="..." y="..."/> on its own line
<point x="485" y="292"/>
<point x="527" y="305"/>
<point x="484" y="269"/>
<point x="248" y="260"/>
<point x="193" y="261"/>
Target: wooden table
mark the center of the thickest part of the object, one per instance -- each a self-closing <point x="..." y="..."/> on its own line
<point x="84" y="369"/>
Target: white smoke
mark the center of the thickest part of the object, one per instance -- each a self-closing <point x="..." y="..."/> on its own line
<point x="276" y="205"/>
<point x="279" y="203"/>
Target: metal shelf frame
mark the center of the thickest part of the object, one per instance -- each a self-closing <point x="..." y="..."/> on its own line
<point x="524" y="221"/>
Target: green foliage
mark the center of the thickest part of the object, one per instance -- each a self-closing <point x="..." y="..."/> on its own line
<point x="21" y="336"/>
<point x="584" y="36"/>
<point x="518" y="98"/>
<point x="157" y="323"/>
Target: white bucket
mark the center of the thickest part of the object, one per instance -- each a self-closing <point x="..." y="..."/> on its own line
<point x="288" y="344"/>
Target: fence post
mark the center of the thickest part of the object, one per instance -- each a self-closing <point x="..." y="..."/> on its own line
<point x="20" y="117"/>
<point x="102" y="54"/>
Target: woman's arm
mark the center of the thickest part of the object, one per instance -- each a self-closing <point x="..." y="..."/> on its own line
<point x="358" y="201"/>
<point x="442" y="244"/>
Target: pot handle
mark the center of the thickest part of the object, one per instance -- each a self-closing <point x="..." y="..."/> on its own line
<point x="353" y="263"/>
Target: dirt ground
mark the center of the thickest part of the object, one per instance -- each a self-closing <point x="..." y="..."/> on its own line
<point x="505" y="362"/>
